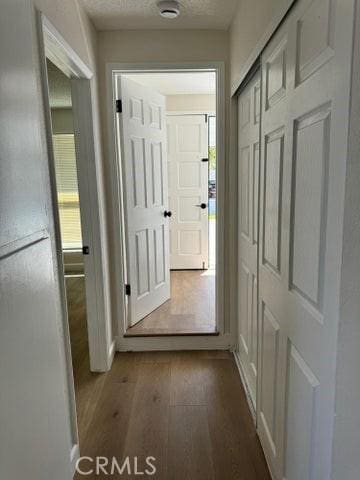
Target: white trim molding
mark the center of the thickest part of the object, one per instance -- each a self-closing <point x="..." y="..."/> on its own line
<point x="54" y="46"/>
<point x="224" y="340"/>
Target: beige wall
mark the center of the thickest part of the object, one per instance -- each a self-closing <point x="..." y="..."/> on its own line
<point x="191" y="103"/>
<point x="250" y="24"/>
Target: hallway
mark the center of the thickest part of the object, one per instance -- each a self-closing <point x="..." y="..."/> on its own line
<point x="180" y="407"/>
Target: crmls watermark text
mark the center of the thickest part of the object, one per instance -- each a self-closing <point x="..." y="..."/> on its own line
<point x="112" y="466"/>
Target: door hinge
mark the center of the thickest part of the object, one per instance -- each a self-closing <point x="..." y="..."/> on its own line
<point x="204" y="159"/>
<point x="127" y="289"/>
<point x="85" y="250"/>
<point x="119" y="106"/>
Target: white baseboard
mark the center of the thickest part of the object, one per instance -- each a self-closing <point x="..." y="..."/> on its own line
<point x="74" y="457"/>
<point x="246" y="388"/>
<point x="111" y="354"/>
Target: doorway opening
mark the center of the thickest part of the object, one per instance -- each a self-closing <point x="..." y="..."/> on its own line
<point x="69" y="214"/>
<point x="167" y="136"/>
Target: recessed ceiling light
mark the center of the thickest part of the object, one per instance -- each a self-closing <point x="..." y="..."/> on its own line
<point x="169" y="8"/>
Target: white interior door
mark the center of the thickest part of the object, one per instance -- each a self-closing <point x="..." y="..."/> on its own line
<point x="188" y="191"/>
<point x="305" y="88"/>
<point x="248" y="175"/>
<point x="143" y="133"/>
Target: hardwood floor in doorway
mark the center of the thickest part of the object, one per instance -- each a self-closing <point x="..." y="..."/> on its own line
<point x="186" y="409"/>
<point x="88" y="385"/>
<point x="190" y="311"/>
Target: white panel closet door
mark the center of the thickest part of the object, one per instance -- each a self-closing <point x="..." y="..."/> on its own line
<point x="143" y="133"/>
<point x="188" y="189"/>
<point x="305" y="78"/>
<point x="248" y="174"/>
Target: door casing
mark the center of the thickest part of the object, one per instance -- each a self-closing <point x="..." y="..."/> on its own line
<point x="53" y="46"/>
<point x="224" y="340"/>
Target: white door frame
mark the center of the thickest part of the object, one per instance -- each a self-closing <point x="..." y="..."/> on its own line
<point x="224" y="340"/>
<point x="53" y="46"/>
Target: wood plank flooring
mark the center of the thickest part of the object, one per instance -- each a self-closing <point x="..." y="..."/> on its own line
<point x="190" y="311"/>
<point x="186" y="409"/>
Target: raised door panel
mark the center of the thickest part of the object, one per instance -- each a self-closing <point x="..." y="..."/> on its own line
<point x="245" y="110"/>
<point x="188" y="212"/>
<point x="155" y="116"/>
<point x="139" y="176"/>
<point x="245" y="190"/>
<point x="269" y="340"/>
<point x="255" y="190"/>
<point x="189" y="175"/>
<point x="254" y="326"/>
<point x="315" y="34"/>
<point x="189" y="242"/>
<point x="273" y="165"/>
<point x="309" y="205"/>
<point x="142" y="263"/>
<point x="302" y="418"/>
<point x="160" y="255"/>
<point x="157" y="174"/>
<point x="189" y="138"/>
<point x="137" y="110"/>
<point x="244" y="308"/>
<point x="275" y="79"/>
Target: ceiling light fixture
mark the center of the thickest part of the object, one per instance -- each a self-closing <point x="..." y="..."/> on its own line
<point x="169" y="8"/>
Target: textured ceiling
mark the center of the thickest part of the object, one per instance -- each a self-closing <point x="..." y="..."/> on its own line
<point x="144" y="14"/>
<point x="178" y="83"/>
<point x="59" y="87"/>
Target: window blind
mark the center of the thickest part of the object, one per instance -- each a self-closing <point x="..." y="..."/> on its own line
<point x="67" y="189"/>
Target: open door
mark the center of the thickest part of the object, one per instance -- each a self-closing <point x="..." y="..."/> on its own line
<point x="144" y="163"/>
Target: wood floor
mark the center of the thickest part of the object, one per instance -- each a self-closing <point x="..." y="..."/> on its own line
<point x="190" y="311"/>
<point x="186" y="409"/>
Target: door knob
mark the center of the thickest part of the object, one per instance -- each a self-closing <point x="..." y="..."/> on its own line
<point x="167" y="214"/>
<point x="202" y="205"/>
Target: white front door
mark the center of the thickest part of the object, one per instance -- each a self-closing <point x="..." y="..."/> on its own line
<point x="248" y="168"/>
<point x="144" y="163"/>
<point x="188" y="191"/>
<point x="305" y="107"/>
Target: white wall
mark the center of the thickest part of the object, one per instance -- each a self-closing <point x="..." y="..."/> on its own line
<point x="191" y="103"/>
<point x="131" y="46"/>
<point x="37" y="431"/>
